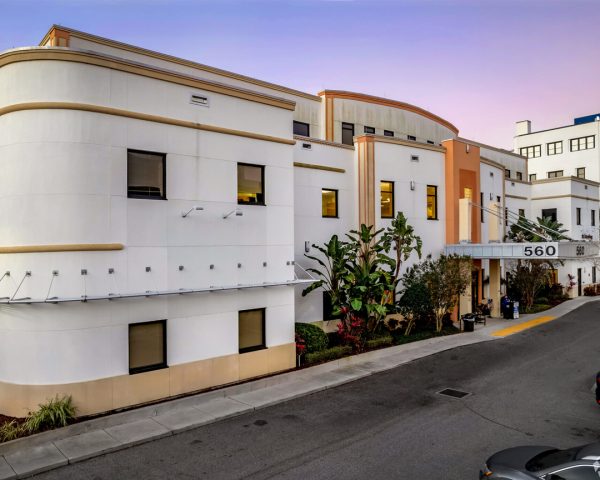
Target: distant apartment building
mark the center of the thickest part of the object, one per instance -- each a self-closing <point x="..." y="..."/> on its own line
<point x="156" y="213"/>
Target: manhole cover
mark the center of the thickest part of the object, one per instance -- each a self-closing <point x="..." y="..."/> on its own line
<point x="450" y="392"/>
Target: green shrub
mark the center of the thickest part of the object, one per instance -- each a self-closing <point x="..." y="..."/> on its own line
<point x="314" y="336"/>
<point x="57" y="412"/>
<point x="541" y="301"/>
<point x="328" y="354"/>
<point x="380" y="342"/>
<point x="10" y="430"/>
<point x="537" y="307"/>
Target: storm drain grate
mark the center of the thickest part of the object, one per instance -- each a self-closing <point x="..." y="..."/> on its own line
<point x="450" y="392"/>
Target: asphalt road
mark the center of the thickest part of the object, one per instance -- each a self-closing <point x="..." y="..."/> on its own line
<point x="530" y="388"/>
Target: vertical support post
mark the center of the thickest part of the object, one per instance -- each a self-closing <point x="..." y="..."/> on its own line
<point x="495" y="293"/>
<point x="464" y="220"/>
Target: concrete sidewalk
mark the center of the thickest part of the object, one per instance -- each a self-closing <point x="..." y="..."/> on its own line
<point x="45" y="451"/>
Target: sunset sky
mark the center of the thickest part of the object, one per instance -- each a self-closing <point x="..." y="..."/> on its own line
<point x="481" y="64"/>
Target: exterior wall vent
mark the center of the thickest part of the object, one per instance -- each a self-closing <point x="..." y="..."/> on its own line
<point x="414" y="158"/>
<point x="306" y="146"/>
<point x="201" y="100"/>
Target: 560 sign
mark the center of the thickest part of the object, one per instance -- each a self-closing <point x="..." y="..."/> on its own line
<point x="540" y="251"/>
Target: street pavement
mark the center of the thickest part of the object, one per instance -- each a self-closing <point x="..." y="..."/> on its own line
<point x="529" y="387"/>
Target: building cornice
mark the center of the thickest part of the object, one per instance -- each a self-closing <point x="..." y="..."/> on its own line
<point x="584" y="181"/>
<point x="361" y="97"/>
<point x="140" y="116"/>
<point x="368" y="137"/>
<point x="180" y="61"/>
<point x="128" y="66"/>
<point x="490" y="147"/>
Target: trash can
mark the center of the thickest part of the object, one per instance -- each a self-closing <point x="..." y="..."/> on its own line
<point x="509" y="311"/>
<point x="468" y="323"/>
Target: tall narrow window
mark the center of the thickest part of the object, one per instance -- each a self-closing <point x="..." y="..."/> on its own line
<point x="387" y="199"/>
<point x="581" y="172"/>
<point x="533" y="177"/>
<point x="593" y="274"/>
<point x="578" y="215"/>
<point x="519" y="175"/>
<point x="521" y="213"/>
<point x="146" y="172"/>
<point x="301" y="128"/>
<point x="250" y="187"/>
<point x="369" y="129"/>
<point x="348" y="133"/>
<point x="593" y="215"/>
<point x="251" y="330"/>
<point x="147" y="346"/>
<point x="507" y="173"/>
<point x="329" y="203"/>
<point x="481" y="205"/>
<point x="431" y="202"/>
<point x="388" y="133"/>
<point x="505" y="216"/>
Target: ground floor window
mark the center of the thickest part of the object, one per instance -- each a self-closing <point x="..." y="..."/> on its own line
<point x="251" y="324"/>
<point x="147" y="346"/>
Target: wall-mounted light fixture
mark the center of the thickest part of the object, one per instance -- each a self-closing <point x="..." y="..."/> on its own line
<point x="412" y="184"/>
<point x="237" y="211"/>
<point x="195" y="207"/>
<point x="306" y="246"/>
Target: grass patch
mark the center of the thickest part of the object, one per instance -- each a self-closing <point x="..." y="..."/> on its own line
<point x="11" y="430"/>
<point x="380" y="342"/>
<point x="56" y="413"/>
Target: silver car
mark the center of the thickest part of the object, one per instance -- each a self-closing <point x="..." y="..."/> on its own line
<point x="542" y="462"/>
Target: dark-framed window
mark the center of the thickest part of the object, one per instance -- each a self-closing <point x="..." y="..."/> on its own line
<point x="387" y="198"/>
<point x="532" y="151"/>
<point x="250" y="184"/>
<point x="329" y="203"/>
<point x="146" y="175"/>
<point x="369" y="129"/>
<point x="578" y="215"/>
<point x="583" y="143"/>
<point x="507" y="173"/>
<point x="147" y="346"/>
<point x="505" y="216"/>
<point x="549" y="213"/>
<point x="593" y="274"/>
<point x="388" y="133"/>
<point x="301" y="128"/>
<point x="411" y="137"/>
<point x="430" y="142"/>
<point x="556" y="174"/>
<point x="521" y="213"/>
<point x="593" y="218"/>
<point x="532" y="177"/>
<point x="519" y="175"/>
<point x="554" y="148"/>
<point x="581" y="172"/>
<point x="347" y="133"/>
<point x="251" y="330"/>
<point x="481" y="206"/>
<point x="432" y="210"/>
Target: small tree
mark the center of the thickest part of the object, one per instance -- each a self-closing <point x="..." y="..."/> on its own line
<point x="401" y="237"/>
<point x="415" y="302"/>
<point x="446" y="277"/>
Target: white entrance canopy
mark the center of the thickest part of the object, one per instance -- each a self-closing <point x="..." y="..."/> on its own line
<point x="536" y="250"/>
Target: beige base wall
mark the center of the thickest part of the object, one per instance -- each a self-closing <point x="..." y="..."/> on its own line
<point x="107" y="394"/>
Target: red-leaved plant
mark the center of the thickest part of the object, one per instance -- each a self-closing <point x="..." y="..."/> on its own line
<point x="352" y="330"/>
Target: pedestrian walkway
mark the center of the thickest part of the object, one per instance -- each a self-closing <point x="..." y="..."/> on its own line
<point x="46" y="451"/>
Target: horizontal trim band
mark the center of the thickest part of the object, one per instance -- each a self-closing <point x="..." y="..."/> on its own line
<point x="72" y="247"/>
<point x="568" y="195"/>
<point x="323" y="142"/>
<point x="84" y="107"/>
<point x="566" y="178"/>
<point x="516" y="197"/>
<point x="127" y="66"/>
<point x="369" y="137"/>
<point x="319" y="167"/>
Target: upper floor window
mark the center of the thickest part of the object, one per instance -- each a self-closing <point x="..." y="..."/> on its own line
<point x="146" y="175"/>
<point x="556" y="174"/>
<point x="549" y="213"/>
<point x="329" y="203"/>
<point x="147" y="346"/>
<point x="430" y="142"/>
<point x="578" y="215"/>
<point x="481" y="200"/>
<point x="348" y="133"/>
<point x="431" y="202"/>
<point x="411" y="137"/>
<point x="507" y="173"/>
<point x="554" y="148"/>
<point x="519" y="175"/>
<point x="250" y="184"/>
<point x="388" y="133"/>
<point x="581" y="172"/>
<point x="369" y="129"/>
<point x="387" y="199"/>
<point x="521" y="213"/>
<point x="251" y="330"/>
<point x="593" y="224"/>
<point x="531" y="152"/>
<point x="532" y="177"/>
<point x="583" y="143"/>
<point x="301" y="128"/>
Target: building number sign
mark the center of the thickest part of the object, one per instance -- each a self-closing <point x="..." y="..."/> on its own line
<point x="543" y="251"/>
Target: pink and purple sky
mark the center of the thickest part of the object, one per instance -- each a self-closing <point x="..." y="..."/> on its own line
<point x="481" y="64"/>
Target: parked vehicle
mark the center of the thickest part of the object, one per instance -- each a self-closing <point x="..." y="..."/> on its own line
<point x="544" y="463"/>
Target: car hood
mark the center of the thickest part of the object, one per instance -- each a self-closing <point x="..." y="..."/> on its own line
<point x="516" y="457"/>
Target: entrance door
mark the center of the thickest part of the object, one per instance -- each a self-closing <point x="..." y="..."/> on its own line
<point x="579" y="282"/>
<point x="474" y="290"/>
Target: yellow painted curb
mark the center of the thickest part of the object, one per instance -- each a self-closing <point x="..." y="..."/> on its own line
<point x="522" y="326"/>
